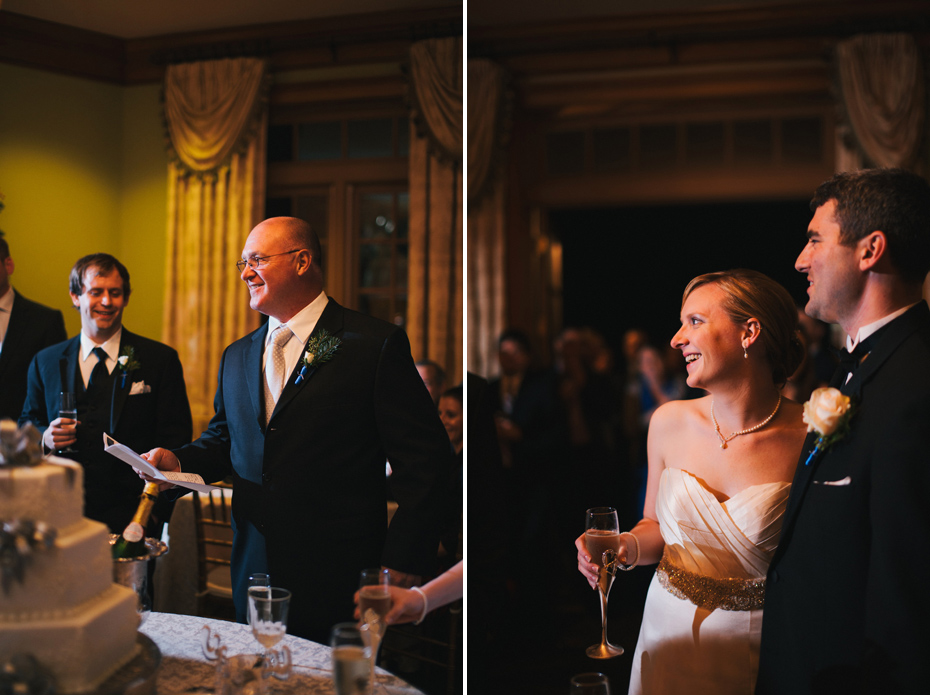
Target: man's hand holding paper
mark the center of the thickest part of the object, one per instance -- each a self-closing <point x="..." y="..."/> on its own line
<point x="157" y="466"/>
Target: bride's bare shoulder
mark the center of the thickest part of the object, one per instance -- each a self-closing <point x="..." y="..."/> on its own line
<point x="677" y="414"/>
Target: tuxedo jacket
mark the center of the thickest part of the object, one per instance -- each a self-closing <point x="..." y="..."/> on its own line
<point x="310" y="491"/>
<point x="148" y="408"/>
<point x="846" y="605"/>
<point x="32" y="327"/>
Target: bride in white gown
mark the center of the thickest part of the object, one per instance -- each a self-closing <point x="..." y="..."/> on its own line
<point x="719" y="474"/>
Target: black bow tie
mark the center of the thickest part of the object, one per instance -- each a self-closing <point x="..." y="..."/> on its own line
<point x="851" y="360"/>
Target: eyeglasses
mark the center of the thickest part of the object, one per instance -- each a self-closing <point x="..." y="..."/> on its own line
<point x="257" y="262"/>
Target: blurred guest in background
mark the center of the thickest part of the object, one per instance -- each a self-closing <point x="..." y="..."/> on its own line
<point x="452" y="414"/>
<point x="25" y="328"/>
<point x="434" y="377"/>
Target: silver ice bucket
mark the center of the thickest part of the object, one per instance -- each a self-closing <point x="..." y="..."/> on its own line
<point x="133" y="572"/>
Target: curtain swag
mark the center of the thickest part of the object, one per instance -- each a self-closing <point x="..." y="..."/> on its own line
<point x="882" y="82"/>
<point x="212" y="110"/>
<point x="435" y="95"/>
<point x="489" y="125"/>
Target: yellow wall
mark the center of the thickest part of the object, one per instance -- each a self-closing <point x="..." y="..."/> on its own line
<point x="83" y="170"/>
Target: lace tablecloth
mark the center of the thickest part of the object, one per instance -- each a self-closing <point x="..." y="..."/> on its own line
<point x="185" y="670"/>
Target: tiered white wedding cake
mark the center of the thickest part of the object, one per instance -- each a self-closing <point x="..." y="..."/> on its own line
<point x="58" y="602"/>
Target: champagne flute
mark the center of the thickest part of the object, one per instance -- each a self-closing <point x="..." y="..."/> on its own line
<point x="374" y="602"/>
<point x="589" y="684"/>
<point x="268" y="607"/>
<point x="351" y="670"/>
<point x="602" y="539"/>
<point x="68" y="409"/>
<point x="257" y="579"/>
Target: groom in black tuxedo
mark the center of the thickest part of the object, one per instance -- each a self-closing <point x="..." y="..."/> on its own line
<point x="846" y="604"/>
<point x="141" y="401"/>
<point x="308" y="409"/>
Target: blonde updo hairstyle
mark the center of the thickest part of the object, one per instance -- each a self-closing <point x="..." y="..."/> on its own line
<point x="750" y="294"/>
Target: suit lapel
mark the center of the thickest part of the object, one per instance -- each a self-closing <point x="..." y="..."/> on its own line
<point x="252" y="368"/>
<point x="121" y="385"/>
<point x="331" y="321"/>
<point x="68" y="366"/>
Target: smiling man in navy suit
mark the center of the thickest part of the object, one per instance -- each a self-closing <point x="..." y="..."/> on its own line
<point x="846" y="602"/>
<point x="127" y="386"/>
<point x="308" y="409"/>
<point x="25" y="328"/>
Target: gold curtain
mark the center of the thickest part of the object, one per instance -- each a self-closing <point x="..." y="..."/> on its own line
<point x="215" y="115"/>
<point x="434" y="304"/>
<point x="882" y="82"/>
<point x="488" y="128"/>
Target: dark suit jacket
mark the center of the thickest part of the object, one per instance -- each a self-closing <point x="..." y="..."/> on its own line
<point x="32" y="327"/>
<point x="309" y="502"/>
<point x="141" y="421"/>
<point x="846" y="605"/>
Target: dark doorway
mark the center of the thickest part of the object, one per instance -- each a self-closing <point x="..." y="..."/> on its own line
<point x="627" y="267"/>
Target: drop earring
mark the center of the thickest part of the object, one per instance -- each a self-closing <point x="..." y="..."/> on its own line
<point x="745" y="353"/>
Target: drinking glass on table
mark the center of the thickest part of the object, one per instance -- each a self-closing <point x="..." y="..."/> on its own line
<point x="268" y="606"/>
<point x="257" y="579"/>
<point x="589" y="684"/>
<point x="352" y="672"/>
<point x="374" y="602"/>
<point x="68" y="409"/>
<point x="602" y="539"/>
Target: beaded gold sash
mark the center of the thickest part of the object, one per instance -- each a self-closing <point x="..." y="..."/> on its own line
<point x="710" y="592"/>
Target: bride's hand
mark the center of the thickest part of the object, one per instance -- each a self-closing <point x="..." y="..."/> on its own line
<point x="585" y="566"/>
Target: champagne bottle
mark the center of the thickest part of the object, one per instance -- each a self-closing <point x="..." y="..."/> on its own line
<point x="131" y="542"/>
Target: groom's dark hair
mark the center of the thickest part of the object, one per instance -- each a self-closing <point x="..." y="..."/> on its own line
<point x="893" y="201"/>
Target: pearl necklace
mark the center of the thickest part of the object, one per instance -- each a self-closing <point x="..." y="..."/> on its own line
<point x="724" y="440"/>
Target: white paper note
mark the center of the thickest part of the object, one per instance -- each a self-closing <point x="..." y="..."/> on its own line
<point x="127" y="455"/>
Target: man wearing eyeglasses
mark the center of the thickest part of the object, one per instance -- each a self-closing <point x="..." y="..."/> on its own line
<point x="308" y="409"/>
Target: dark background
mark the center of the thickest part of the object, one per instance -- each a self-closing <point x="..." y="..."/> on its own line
<point x="627" y="267"/>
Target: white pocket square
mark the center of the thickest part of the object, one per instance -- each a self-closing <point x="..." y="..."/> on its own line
<point x="139" y="387"/>
<point x="844" y="481"/>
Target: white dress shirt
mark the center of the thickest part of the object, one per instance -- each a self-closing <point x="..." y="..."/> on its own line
<point x="88" y="360"/>
<point x="301" y="325"/>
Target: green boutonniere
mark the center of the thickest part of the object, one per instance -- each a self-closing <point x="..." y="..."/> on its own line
<point x="320" y="348"/>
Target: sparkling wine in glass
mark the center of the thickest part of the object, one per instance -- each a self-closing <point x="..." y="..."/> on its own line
<point x="602" y="539"/>
<point x="374" y="602"/>
<point x="268" y="607"/>
<point x="68" y="409"/>
<point x="351" y="660"/>
<point x="257" y="579"/>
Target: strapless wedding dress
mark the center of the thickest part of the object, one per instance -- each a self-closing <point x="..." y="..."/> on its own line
<point x="716" y="556"/>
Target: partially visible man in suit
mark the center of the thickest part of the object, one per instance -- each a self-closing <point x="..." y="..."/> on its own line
<point x="308" y="409"/>
<point x="127" y="386"/>
<point x="25" y="328"/>
<point x="846" y="605"/>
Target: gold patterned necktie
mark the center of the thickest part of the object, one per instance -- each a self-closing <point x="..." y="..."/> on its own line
<point x="275" y="368"/>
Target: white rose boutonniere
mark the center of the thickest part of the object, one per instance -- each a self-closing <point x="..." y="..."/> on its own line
<point x="827" y="413"/>
<point x="320" y="348"/>
<point x="127" y="362"/>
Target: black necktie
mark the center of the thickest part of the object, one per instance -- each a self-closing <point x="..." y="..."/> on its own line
<point x="101" y="374"/>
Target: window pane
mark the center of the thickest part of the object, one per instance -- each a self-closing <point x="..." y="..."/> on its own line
<point x="379" y="306"/>
<point x="278" y="207"/>
<point x="752" y="142"/>
<point x="280" y="145"/>
<point x="315" y="210"/>
<point x="371" y="138"/>
<point x="376" y="216"/>
<point x="403" y="137"/>
<point x="374" y="265"/>
<point x="705" y="143"/>
<point x="319" y="141"/>
<point x="403" y="215"/>
<point x="802" y="140"/>
<point x="565" y="153"/>
<point x="658" y="146"/>
<point x="612" y="149"/>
